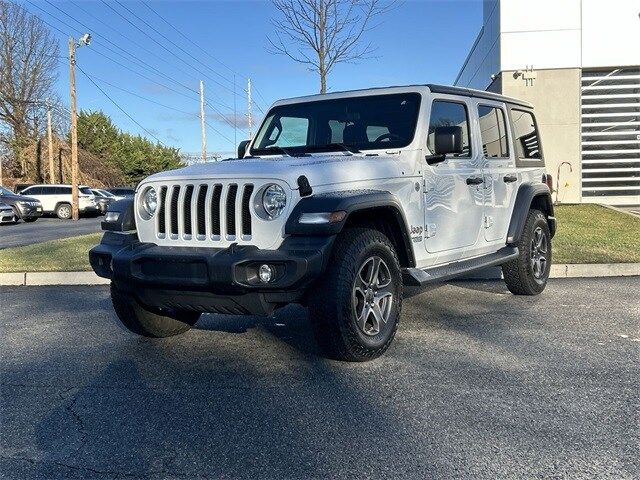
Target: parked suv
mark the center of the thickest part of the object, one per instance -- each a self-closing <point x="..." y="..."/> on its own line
<point x="339" y="202"/>
<point x="57" y="199"/>
<point x="25" y="208"/>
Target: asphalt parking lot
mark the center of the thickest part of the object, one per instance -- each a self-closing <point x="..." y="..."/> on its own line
<point x="478" y="384"/>
<point x="45" y="229"/>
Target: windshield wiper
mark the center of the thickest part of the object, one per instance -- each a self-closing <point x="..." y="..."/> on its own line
<point x="276" y="148"/>
<point x="343" y="147"/>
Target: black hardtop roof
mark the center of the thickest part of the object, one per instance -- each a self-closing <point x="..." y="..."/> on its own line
<point x="470" y="92"/>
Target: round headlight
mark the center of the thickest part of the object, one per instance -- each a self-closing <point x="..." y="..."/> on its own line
<point x="150" y="201"/>
<point x="274" y="200"/>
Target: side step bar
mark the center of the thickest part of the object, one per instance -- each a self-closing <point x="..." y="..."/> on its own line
<point x="417" y="277"/>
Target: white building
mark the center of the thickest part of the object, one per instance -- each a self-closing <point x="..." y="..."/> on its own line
<point x="578" y="62"/>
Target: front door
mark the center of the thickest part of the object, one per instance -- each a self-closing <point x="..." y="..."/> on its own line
<point x="453" y="192"/>
<point x="500" y="178"/>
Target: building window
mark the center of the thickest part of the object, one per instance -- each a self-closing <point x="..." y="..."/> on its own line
<point x="449" y="114"/>
<point x="493" y="132"/>
<point x="527" y="140"/>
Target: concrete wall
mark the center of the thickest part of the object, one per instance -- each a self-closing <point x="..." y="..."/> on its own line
<point x="555" y="94"/>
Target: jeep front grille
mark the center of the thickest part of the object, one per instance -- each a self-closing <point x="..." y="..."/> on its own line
<point x="199" y="211"/>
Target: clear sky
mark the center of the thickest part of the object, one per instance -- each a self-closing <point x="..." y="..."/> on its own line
<point x="421" y="41"/>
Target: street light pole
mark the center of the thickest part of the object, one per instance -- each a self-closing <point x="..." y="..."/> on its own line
<point x="75" y="211"/>
<point x="84" y="40"/>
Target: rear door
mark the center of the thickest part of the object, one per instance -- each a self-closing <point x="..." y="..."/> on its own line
<point x="453" y="192"/>
<point x="499" y="169"/>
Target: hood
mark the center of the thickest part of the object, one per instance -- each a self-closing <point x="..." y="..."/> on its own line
<point x="17" y="198"/>
<point x="319" y="169"/>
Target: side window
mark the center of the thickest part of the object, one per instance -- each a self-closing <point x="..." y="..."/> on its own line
<point x="493" y="131"/>
<point x="32" y="191"/>
<point x="527" y="140"/>
<point x="449" y="114"/>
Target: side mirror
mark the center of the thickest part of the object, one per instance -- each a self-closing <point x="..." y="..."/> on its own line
<point x="242" y="148"/>
<point x="448" y="140"/>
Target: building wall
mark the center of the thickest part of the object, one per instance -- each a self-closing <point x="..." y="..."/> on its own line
<point x="610" y="33"/>
<point x="551" y="41"/>
<point x="484" y="57"/>
<point x="555" y="93"/>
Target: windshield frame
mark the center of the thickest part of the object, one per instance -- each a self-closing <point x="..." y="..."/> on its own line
<point x="334" y="146"/>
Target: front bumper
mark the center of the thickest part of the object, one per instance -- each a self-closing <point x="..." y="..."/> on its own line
<point x="30" y="211"/>
<point x="7" y="216"/>
<point x="211" y="279"/>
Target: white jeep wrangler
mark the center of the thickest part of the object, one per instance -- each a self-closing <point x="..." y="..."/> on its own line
<point x="339" y="201"/>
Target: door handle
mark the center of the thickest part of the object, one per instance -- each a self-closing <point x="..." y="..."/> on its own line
<point x="474" y="180"/>
<point x="510" y="178"/>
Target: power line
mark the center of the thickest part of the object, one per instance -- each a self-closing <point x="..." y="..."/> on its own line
<point x="155" y="102"/>
<point x="144" y="65"/>
<point x="160" y="44"/>
<point x="118" y="106"/>
<point x="191" y="42"/>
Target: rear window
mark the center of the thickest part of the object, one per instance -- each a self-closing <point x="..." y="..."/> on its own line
<point x="86" y="191"/>
<point x="527" y="139"/>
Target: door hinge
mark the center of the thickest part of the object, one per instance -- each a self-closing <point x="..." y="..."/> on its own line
<point x="488" y="221"/>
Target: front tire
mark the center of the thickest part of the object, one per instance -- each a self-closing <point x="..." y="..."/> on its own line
<point x="30" y="219"/>
<point x="142" y="321"/>
<point x="528" y="274"/>
<point x="355" y="308"/>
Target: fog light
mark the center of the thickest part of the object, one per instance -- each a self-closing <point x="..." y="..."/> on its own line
<point x="265" y="272"/>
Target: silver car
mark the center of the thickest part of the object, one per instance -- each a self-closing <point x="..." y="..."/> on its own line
<point x="7" y="215"/>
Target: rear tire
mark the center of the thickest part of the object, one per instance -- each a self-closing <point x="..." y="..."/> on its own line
<point x="63" y="211"/>
<point x="142" y="321"/>
<point x="528" y="274"/>
<point x="30" y="220"/>
<point x="355" y="307"/>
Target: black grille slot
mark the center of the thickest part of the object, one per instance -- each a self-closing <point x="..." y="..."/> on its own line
<point x="202" y="194"/>
<point x="174" y="209"/>
<point x="161" y="207"/>
<point x="246" y="211"/>
<point x="231" y="209"/>
<point x="215" y="210"/>
<point x="186" y="209"/>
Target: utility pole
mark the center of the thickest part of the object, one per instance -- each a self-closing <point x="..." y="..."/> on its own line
<point x="52" y="175"/>
<point x="202" y="120"/>
<point x="85" y="40"/>
<point x="249" y="117"/>
<point x="74" y="130"/>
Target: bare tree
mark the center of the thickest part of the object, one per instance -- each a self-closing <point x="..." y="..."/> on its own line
<point x="28" y="70"/>
<point x="323" y="33"/>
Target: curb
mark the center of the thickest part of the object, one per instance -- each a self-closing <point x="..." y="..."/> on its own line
<point x="561" y="270"/>
<point x="51" y="278"/>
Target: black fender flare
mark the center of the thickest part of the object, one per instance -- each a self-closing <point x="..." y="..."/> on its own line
<point x="125" y="221"/>
<point x="530" y="194"/>
<point x="351" y="202"/>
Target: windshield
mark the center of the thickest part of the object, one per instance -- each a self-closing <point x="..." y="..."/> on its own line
<point x="4" y="191"/>
<point x="362" y="123"/>
<point x="85" y="191"/>
<point x="104" y="193"/>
